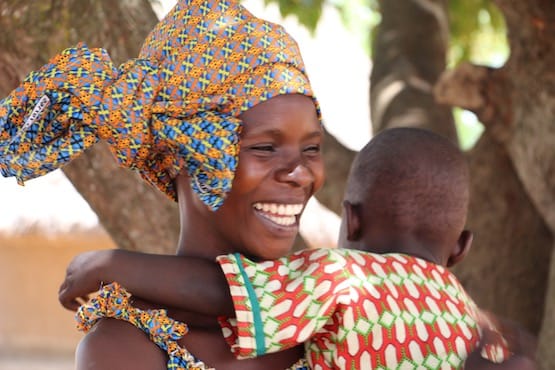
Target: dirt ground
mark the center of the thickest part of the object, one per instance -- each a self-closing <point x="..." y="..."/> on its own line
<point x="36" y="332"/>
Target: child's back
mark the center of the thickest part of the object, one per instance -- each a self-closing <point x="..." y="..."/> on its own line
<point x="362" y="310"/>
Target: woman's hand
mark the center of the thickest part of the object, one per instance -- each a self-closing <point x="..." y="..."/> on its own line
<point x="83" y="276"/>
<point x="520" y="343"/>
<point x="518" y="339"/>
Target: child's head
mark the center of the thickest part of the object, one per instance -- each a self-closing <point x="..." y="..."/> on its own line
<point x="408" y="192"/>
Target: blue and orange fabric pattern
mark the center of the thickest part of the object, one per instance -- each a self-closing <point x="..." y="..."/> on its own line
<point x="174" y="107"/>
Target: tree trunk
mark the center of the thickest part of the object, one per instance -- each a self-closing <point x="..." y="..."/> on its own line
<point x="409" y="52"/>
<point x="337" y="161"/>
<point x="517" y="105"/>
<point x="531" y="142"/>
<point x="132" y="212"/>
<point x="507" y="267"/>
<point x="547" y="333"/>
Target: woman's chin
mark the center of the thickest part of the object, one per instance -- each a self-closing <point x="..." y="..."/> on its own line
<point x="271" y="249"/>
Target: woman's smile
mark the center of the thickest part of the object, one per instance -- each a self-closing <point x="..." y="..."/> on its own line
<point x="284" y="215"/>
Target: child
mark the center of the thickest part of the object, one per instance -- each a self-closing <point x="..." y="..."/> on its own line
<point x="394" y="308"/>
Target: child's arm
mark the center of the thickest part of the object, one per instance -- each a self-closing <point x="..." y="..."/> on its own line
<point x="188" y="283"/>
<point x="282" y="303"/>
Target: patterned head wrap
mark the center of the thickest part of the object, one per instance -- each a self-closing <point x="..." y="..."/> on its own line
<point x="174" y="107"/>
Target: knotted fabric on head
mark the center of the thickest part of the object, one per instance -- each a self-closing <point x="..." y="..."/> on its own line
<point x="174" y="107"/>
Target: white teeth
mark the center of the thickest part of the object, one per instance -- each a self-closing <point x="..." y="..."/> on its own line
<point x="285" y="221"/>
<point x="279" y="209"/>
<point x="281" y="214"/>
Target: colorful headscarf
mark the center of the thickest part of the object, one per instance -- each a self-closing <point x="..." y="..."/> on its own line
<point x="174" y="107"/>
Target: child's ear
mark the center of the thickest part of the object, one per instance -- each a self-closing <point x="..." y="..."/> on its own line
<point x="461" y="249"/>
<point x="351" y="212"/>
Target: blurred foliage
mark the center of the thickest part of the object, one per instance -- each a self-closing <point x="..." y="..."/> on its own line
<point x="469" y="129"/>
<point x="308" y="12"/>
<point x="477" y="26"/>
<point x="478" y="33"/>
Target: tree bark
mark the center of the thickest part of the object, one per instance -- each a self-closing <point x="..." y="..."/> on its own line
<point x="409" y="55"/>
<point x="510" y="245"/>
<point x="547" y="332"/>
<point x="337" y="161"/>
<point x="133" y="213"/>
<point x="507" y="267"/>
<point x="531" y="26"/>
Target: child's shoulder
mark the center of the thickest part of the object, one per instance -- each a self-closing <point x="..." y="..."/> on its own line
<point x="363" y="257"/>
<point x="386" y="264"/>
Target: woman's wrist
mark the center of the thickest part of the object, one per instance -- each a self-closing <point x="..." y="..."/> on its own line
<point x="105" y="267"/>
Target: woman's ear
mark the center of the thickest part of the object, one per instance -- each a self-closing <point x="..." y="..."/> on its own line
<point x="461" y="249"/>
<point x="351" y="212"/>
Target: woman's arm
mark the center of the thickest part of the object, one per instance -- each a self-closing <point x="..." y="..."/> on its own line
<point x="187" y="283"/>
<point x="117" y="345"/>
<point x="516" y="362"/>
<point x="520" y="342"/>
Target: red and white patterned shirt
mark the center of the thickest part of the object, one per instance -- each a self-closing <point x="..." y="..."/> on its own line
<point x="353" y="310"/>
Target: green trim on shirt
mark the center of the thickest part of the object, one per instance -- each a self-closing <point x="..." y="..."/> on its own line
<point x="257" y="318"/>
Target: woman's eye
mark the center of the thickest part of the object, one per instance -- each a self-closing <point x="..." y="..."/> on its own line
<point x="312" y="149"/>
<point x="263" y="148"/>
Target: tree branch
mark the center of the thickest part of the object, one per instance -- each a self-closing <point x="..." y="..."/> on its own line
<point x="482" y="90"/>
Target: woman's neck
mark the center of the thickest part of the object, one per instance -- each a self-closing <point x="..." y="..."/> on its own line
<point x="197" y="239"/>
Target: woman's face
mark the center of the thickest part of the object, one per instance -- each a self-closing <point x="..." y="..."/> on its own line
<point x="280" y="168"/>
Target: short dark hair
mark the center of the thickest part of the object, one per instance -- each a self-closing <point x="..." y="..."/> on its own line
<point x="415" y="178"/>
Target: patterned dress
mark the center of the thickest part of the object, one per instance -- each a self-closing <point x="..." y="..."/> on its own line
<point x="354" y="310"/>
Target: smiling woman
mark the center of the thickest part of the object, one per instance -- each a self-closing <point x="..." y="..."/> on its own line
<point x="216" y="97"/>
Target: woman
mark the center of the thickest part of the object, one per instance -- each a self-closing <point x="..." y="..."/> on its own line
<point x="209" y="75"/>
<point x="279" y="164"/>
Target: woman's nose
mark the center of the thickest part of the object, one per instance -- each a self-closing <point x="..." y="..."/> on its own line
<point x="297" y="174"/>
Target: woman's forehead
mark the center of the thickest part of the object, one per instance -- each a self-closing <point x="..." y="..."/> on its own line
<point x="279" y="108"/>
